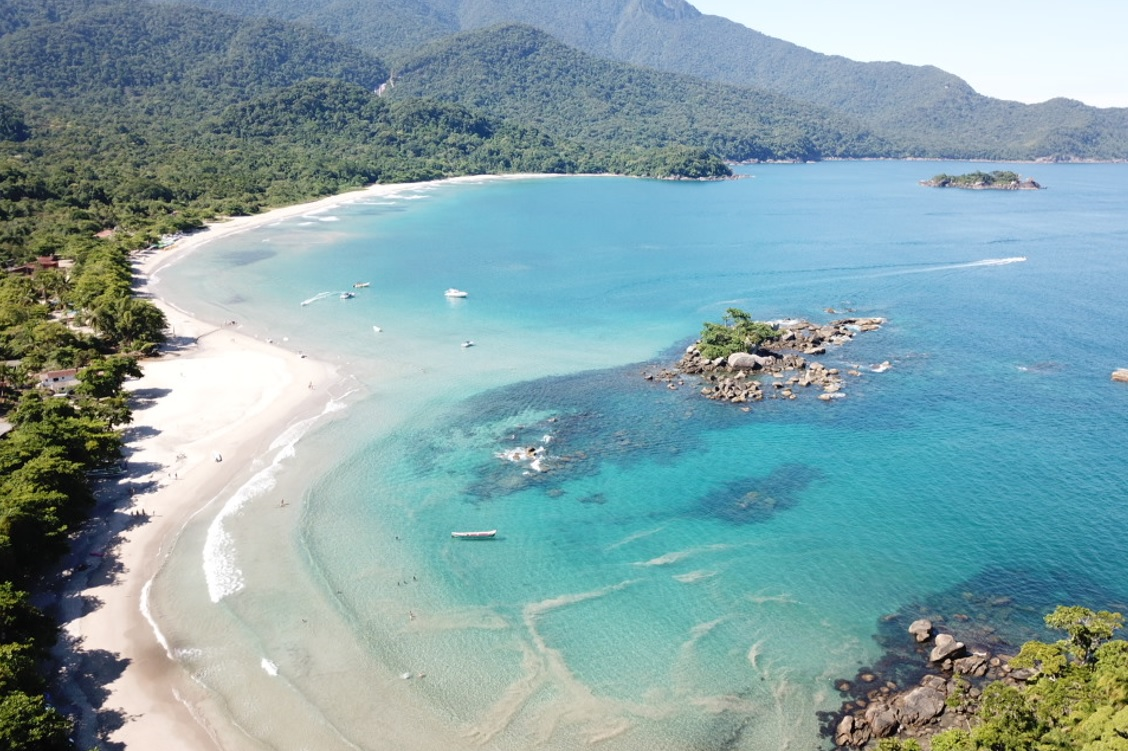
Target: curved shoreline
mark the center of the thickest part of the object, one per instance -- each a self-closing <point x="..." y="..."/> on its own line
<point x="213" y="391"/>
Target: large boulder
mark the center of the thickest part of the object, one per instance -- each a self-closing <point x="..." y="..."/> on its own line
<point x="974" y="665"/>
<point x="946" y="646"/>
<point x="921" y="629"/>
<point x="920" y="705"/>
<point x="748" y="361"/>
<point x="1120" y="374"/>
<point x="882" y="719"/>
<point x="844" y="734"/>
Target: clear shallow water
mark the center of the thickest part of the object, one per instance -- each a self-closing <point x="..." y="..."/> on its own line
<point x="684" y="575"/>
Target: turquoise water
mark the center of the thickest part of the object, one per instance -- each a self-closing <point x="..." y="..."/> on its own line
<point x="633" y="597"/>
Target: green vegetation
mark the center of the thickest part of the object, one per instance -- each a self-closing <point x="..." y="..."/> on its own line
<point x="54" y="441"/>
<point x="918" y="111"/>
<point x="736" y="333"/>
<point x="526" y="76"/>
<point x="1076" y="699"/>
<point x="975" y="179"/>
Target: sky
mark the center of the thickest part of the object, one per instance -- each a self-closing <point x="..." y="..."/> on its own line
<point x="1022" y="50"/>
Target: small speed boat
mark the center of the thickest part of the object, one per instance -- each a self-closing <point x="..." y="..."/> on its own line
<point x="467" y="343"/>
<point x="361" y="285"/>
<point x="452" y="292"/>
<point x="347" y="295"/>
<point x="475" y="535"/>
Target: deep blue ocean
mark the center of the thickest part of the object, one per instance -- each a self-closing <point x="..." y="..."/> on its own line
<point x="683" y="574"/>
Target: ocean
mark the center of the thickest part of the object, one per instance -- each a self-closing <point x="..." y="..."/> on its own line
<point x="681" y="573"/>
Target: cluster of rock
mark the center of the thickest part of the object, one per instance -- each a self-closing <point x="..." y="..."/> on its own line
<point x="1120" y="374"/>
<point x="940" y="700"/>
<point x="737" y="378"/>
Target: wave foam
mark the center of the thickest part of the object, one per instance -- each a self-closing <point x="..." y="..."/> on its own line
<point x="223" y="576"/>
<point x="147" y="614"/>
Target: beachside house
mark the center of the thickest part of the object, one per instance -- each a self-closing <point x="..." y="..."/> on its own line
<point x="58" y="381"/>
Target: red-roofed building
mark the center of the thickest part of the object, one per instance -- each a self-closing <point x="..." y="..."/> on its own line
<point x="59" y="381"/>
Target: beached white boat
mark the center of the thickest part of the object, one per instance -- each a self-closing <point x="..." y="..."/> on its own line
<point x="361" y="285"/>
<point x="475" y="535"/>
<point x="452" y="292"/>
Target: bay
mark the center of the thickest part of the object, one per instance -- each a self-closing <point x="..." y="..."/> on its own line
<point x="685" y="574"/>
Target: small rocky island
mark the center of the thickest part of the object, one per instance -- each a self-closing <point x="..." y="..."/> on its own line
<point x="741" y="360"/>
<point x="997" y="180"/>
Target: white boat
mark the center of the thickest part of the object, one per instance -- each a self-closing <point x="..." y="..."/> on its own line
<point x="347" y="295"/>
<point x="475" y="535"/>
<point x="377" y="329"/>
<point x="467" y="343"/>
<point x="361" y="285"/>
<point x="452" y="292"/>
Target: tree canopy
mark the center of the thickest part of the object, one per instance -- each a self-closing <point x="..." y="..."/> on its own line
<point x="737" y="332"/>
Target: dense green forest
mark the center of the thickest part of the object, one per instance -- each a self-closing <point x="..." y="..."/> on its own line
<point x="526" y="76"/>
<point x="85" y="319"/>
<point x="919" y="111"/>
<point x="149" y="118"/>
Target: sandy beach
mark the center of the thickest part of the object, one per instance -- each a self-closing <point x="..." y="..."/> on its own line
<point x="212" y="402"/>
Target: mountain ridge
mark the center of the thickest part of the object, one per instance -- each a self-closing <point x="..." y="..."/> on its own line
<point x="925" y="111"/>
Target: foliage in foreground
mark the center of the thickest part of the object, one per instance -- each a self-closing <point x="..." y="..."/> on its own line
<point x="1076" y="700"/>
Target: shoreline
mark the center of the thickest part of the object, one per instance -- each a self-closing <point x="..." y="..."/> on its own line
<point x="212" y="392"/>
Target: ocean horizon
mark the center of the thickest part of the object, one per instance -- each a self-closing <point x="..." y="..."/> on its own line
<point x="672" y="572"/>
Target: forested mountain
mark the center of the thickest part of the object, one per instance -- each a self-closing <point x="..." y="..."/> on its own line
<point x="527" y="76"/>
<point x="921" y="109"/>
<point x="147" y="120"/>
<point x="17" y="14"/>
<point x="140" y="56"/>
<point x="148" y="117"/>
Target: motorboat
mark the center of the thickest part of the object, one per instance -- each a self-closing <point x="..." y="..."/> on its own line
<point x="452" y="292"/>
<point x="361" y="285"/>
<point x="489" y="534"/>
<point x="467" y="343"/>
<point x="347" y="295"/>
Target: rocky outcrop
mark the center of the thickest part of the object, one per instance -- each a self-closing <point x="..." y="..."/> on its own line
<point x="780" y="369"/>
<point x="921" y="629"/>
<point x="946" y="646"/>
<point x="938" y="701"/>
<point x="1120" y="374"/>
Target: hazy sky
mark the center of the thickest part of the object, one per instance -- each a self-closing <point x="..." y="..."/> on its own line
<point x="1024" y="50"/>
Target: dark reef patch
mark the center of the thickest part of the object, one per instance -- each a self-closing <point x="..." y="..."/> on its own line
<point x="756" y="499"/>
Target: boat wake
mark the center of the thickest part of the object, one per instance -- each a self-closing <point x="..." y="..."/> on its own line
<point x="991" y="262"/>
<point x="325" y="296"/>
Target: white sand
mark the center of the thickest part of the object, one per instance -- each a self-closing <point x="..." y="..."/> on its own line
<point x="214" y="390"/>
